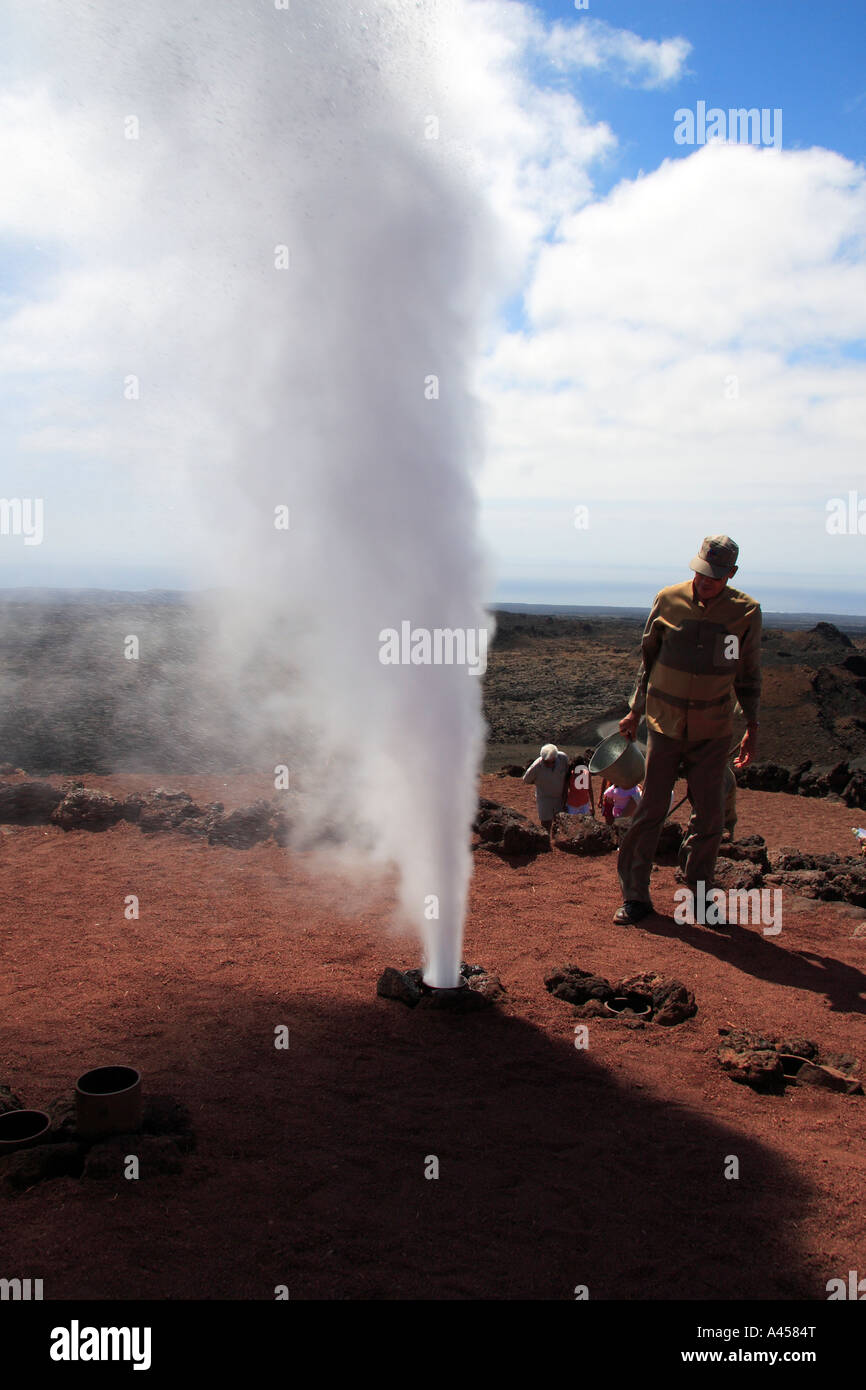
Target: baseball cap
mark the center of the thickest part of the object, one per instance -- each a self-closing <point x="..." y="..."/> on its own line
<point x="716" y="557"/>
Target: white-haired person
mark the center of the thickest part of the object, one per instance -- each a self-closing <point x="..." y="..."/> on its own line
<point x="548" y="775"/>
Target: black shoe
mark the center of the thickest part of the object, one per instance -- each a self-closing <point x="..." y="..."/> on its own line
<point x="632" y="912"/>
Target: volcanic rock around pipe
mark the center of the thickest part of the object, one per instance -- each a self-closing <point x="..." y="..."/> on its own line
<point x="478" y="989"/>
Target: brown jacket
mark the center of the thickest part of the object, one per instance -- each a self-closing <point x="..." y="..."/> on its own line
<point x="695" y="658"/>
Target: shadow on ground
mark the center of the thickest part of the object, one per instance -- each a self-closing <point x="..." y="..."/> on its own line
<point x="311" y="1160"/>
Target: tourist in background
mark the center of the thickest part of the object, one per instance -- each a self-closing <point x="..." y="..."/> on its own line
<point x="548" y="774"/>
<point x="578" y="792"/>
<point x="618" y="803"/>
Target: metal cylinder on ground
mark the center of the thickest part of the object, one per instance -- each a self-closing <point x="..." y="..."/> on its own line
<point x="108" y="1101"/>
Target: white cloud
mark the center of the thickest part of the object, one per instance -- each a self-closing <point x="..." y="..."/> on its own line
<point x="668" y="433"/>
<point x="117" y="293"/>
<point x="642" y="306"/>
<point x="730" y="241"/>
<point x="593" y="43"/>
<point x="662" y="328"/>
<point x="531" y="147"/>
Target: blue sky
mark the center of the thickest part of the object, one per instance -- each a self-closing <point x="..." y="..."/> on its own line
<point x="680" y="341"/>
<point x="806" y="58"/>
<point x="809" y="63"/>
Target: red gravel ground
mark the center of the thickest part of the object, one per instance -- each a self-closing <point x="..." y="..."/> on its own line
<point x="558" y="1167"/>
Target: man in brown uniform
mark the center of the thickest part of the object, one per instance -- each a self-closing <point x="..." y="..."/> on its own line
<point x="701" y="647"/>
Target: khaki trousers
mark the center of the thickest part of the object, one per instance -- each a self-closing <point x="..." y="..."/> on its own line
<point x="730" y="815"/>
<point x="703" y="762"/>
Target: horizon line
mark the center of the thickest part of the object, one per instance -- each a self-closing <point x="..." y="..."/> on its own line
<point x="550" y="607"/>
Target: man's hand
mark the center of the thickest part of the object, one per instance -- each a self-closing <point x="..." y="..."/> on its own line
<point x="748" y="748"/>
<point x="628" y="726"/>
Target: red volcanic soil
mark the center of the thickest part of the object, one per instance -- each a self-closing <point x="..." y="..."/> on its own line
<point x="557" y="1167"/>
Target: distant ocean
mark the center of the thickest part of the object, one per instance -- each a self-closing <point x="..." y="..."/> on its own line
<point x="585" y="596"/>
<point x="848" y="622"/>
<point x="632" y="598"/>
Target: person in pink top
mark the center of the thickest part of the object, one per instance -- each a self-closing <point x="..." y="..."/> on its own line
<point x="618" y="802"/>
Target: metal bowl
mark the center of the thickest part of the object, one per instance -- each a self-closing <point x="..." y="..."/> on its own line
<point x="620" y="760"/>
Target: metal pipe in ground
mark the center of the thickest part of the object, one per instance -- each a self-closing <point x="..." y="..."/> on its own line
<point x="108" y="1101"/>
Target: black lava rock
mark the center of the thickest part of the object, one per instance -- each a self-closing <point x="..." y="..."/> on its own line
<point x="168" y="1117"/>
<point x="576" y="986"/>
<point x="751" y="847"/>
<point x="156" y="1154"/>
<point x="87" y="809"/>
<point x="248" y="826"/>
<point x="669" y="999"/>
<point x="28" y="803"/>
<point x="26" y="1167"/>
<point x="764" y="777"/>
<point x="478" y="989"/>
<point x="402" y="985"/>
<point x="584" y="835"/>
<point x="464" y="1000"/>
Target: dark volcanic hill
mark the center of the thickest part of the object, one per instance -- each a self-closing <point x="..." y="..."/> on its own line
<point x="557" y="678"/>
<point x="70" y="702"/>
